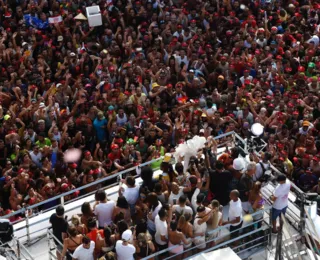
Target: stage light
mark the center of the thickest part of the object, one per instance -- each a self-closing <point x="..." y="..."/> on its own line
<point x="257" y="129"/>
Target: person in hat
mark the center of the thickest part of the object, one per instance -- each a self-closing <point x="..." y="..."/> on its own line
<point x="124" y="249"/>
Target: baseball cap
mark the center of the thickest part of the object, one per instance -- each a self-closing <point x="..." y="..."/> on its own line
<point x="126" y="235"/>
<point x="60" y="38"/>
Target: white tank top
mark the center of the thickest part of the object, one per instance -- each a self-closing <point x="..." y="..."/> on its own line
<point x="122" y="121"/>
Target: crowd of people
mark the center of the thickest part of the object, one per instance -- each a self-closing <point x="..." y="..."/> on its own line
<point x="153" y="75"/>
<point x="171" y="216"/>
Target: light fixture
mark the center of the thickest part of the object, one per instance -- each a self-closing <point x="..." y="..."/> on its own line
<point x="257" y="129"/>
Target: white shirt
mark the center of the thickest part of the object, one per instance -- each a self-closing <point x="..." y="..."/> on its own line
<point x="151" y="222"/>
<point x="36" y="158"/>
<point x="235" y="210"/>
<point x="104" y="212"/>
<point x="131" y="194"/>
<point x="82" y="253"/>
<point x="182" y="210"/>
<point x="194" y="200"/>
<point x="281" y="193"/>
<point x="124" y="252"/>
<point x="161" y="230"/>
<point x="173" y="198"/>
<point x="259" y="171"/>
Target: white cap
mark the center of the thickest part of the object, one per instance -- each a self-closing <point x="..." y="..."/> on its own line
<point x="126" y="235"/>
<point x="238" y="164"/>
<point x="201" y="131"/>
<point x="58" y="85"/>
<point x="291" y="6"/>
<point x="60" y="38"/>
<point x="41" y="105"/>
<point x="72" y="54"/>
<point x="24" y="43"/>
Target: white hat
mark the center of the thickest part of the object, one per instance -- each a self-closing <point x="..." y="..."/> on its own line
<point x="126" y="235"/>
<point x="42" y="105"/>
<point x="58" y="85"/>
<point x="238" y="164"/>
<point x="24" y="43"/>
<point x="201" y="131"/>
<point x="60" y="38"/>
<point x="72" y="54"/>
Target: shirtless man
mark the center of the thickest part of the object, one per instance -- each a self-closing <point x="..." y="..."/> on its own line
<point x="175" y="239"/>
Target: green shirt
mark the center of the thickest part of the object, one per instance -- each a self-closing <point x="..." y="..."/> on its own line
<point x="46" y="142"/>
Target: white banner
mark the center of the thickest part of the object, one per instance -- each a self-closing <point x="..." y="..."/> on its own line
<point x="56" y="19"/>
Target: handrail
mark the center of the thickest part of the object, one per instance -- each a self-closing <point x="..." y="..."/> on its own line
<point x="268" y="208"/>
<point x="23" y="210"/>
<point x="80" y="188"/>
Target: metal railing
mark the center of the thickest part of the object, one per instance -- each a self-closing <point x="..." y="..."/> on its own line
<point x="15" y="250"/>
<point x="61" y="196"/>
<point x="249" y="234"/>
<point x="52" y="245"/>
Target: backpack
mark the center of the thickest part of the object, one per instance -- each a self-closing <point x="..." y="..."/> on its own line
<point x="265" y="177"/>
<point x="6" y="231"/>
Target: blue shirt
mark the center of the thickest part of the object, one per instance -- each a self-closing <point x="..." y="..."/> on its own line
<point x="99" y="127"/>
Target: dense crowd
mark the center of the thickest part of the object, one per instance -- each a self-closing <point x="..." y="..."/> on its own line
<point x="156" y="73"/>
<point x="170" y="216"/>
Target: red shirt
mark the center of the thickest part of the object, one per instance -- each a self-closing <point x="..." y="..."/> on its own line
<point x="93" y="234"/>
<point x="112" y="156"/>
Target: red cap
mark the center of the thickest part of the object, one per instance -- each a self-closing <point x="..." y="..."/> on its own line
<point x="87" y="153"/>
<point x="114" y="146"/>
<point x="193" y="21"/>
<point x="73" y="166"/>
<point x="306" y="156"/>
<point x="315" y="158"/>
<point x="230" y="82"/>
<point x="96" y="171"/>
<point x="119" y="140"/>
<point x="179" y="26"/>
<point x="64" y="186"/>
<point x="301" y="69"/>
<point x="295" y="112"/>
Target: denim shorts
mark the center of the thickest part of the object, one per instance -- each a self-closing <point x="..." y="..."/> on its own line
<point x="276" y="212"/>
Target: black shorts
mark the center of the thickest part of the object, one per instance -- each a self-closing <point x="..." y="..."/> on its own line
<point x="234" y="230"/>
<point x="162" y="247"/>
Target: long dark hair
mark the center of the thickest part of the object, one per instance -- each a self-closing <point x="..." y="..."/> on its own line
<point x="107" y="235"/>
<point x="152" y="200"/>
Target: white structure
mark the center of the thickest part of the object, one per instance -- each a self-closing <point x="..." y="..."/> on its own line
<point x="94" y="16"/>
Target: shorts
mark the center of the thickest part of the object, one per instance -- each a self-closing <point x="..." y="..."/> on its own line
<point x="234" y="230"/>
<point x="200" y="242"/>
<point x="276" y="212"/>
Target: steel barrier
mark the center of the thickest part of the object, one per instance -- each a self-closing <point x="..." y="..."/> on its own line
<point x="242" y="231"/>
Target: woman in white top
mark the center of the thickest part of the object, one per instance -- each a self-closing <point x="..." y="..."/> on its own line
<point x="214" y="222"/>
<point x="200" y="227"/>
